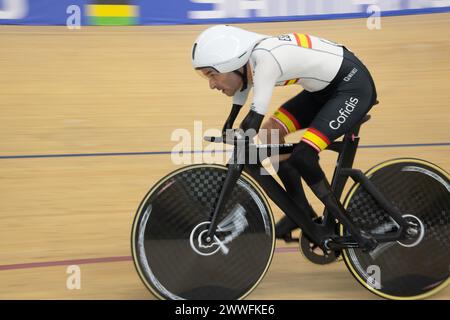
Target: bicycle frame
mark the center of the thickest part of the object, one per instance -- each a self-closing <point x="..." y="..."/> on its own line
<point x="322" y="234"/>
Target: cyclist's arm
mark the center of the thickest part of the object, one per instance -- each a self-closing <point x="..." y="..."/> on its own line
<point x="233" y="115"/>
<point x="240" y="97"/>
<point x="265" y="75"/>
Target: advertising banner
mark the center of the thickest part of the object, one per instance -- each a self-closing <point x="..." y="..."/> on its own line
<point x="160" y="12"/>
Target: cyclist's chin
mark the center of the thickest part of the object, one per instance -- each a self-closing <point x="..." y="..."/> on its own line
<point x="229" y="92"/>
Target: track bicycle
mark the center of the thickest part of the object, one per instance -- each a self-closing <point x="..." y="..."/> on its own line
<point x="206" y="231"/>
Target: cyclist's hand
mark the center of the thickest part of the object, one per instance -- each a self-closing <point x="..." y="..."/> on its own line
<point x="251" y="124"/>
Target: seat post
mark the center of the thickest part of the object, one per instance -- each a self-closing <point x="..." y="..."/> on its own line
<point x="346" y="150"/>
<point x="345" y="159"/>
<point x="346" y="156"/>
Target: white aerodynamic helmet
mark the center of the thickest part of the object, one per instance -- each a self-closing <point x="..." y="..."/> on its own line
<point x="224" y="48"/>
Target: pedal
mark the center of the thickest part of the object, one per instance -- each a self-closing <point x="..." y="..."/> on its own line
<point x="287" y="238"/>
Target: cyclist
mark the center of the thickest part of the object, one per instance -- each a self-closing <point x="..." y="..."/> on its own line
<point x="338" y="93"/>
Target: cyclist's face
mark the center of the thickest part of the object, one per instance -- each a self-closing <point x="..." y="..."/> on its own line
<point x="228" y="83"/>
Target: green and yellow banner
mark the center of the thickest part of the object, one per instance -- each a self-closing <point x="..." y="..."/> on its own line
<point x="112" y="13"/>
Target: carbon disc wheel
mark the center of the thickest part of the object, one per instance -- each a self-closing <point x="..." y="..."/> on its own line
<point x="410" y="269"/>
<point x="171" y="252"/>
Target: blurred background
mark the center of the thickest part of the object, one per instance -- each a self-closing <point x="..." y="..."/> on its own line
<point x="91" y="92"/>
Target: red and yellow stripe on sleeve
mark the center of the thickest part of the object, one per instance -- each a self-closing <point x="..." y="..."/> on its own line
<point x="316" y="139"/>
<point x="292" y="81"/>
<point x="303" y="40"/>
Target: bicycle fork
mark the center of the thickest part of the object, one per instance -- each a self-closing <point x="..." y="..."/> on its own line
<point x="235" y="167"/>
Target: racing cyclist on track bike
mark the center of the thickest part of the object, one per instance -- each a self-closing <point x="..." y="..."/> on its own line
<point x="338" y="92"/>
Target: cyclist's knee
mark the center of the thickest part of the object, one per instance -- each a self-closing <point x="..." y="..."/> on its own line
<point x="303" y="156"/>
<point x="306" y="160"/>
<point x="272" y="132"/>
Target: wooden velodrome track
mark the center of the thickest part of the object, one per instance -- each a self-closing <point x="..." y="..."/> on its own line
<point x="123" y="90"/>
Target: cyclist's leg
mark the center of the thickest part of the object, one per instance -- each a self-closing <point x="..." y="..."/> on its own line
<point x="342" y="112"/>
<point x="295" y="114"/>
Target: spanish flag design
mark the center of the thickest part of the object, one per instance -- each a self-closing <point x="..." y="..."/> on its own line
<point x="303" y="40"/>
<point x="315" y="139"/>
<point x="286" y="120"/>
<point x="112" y="13"/>
<point x="292" y="81"/>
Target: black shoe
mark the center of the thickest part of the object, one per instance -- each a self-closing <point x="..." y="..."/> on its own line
<point x="284" y="228"/>
<point x="323" y="191"/>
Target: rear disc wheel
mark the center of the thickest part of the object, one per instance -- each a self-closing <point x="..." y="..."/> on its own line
<point x="417" y="267"/>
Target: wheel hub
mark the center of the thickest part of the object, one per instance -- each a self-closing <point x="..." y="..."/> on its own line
<point x="415" y="231"/>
